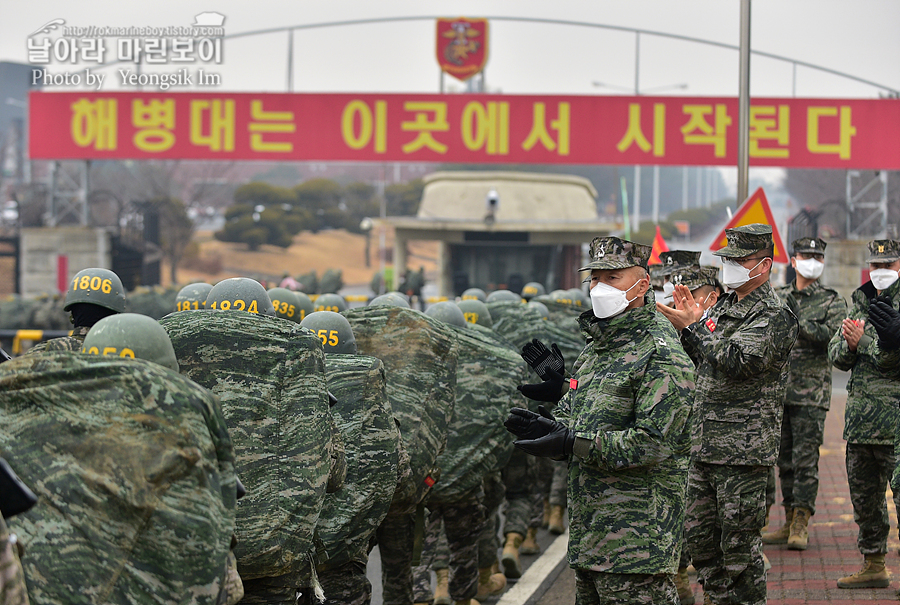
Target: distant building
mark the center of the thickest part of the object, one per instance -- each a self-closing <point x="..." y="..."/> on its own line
<point x="503" y="229"/>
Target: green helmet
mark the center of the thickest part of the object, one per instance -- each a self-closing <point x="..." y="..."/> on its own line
<point x="500" y="295"/>
<point x="476" y="312"/>
<point x="305" y="304"/>
<point x="532" y="289"/>
<point x="541" y="307"/>
<point x="331" y="302"/>
<point x="398" y="294"/>
<point x="334" y="331"/>
<point x="131" y="335"/>
<point x="474" y="294"/>
<point x="240" y="294"/>
<point x="447" y="312"/>
<point x="579" y="298"/>
<point x="389" y="300"/>
<point x="285" y="303"/>
<point x="192" y="297"/>
<point x="563" y="297"/>
<point x="96" y="286"/>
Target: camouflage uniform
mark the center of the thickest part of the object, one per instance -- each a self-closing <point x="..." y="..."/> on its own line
<point x="742" y="351"/>
<point x="819" y="310"/>
<point x="630" y="412"/>
<point x="488" y="371"/>
<point x="518" y="324"/>
<point x="12" y="580"/>
<point x="134" y="472"/>
<point x="350" y="516"/>
<point x="64" y="343"/>
<point x="870" y="424"/>
<point x="272" y="388"/>
<point x="422" y="397"/>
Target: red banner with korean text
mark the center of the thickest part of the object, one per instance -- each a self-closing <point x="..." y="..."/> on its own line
<point x="471" y="128"/>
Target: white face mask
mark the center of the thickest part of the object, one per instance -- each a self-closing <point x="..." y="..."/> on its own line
<point x="735" y="275"/>
<point x="810" y="268"/>
<point x="608" y="300"/>
<point x="668" y="291"/>
<point x="882" y="279"/>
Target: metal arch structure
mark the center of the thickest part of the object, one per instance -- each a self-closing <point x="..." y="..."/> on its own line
<point x="637" y="31"/>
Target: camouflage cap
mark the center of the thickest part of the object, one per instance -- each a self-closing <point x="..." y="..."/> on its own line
<point x="656" y="276"/>
<point x="695" y="277"/>
<point x="745" y="240"/>
<point x="674" y="260"/>
<point x="616" y="253"/>
<point x="808" y="245"/>
<point x="883" y="251"/>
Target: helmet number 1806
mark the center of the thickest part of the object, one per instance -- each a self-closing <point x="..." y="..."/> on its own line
<point x="86" y="282"/>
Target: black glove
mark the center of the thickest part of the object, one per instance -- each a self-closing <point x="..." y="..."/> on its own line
<point x="886" y="321"/>
<point x="551" y="390"/>
<point x="541" y="359"/>
<point x="556" y="444"/>
<point x="241" y="490"/>
<point x="15" y="497"/>
<point x="525" y="424"/>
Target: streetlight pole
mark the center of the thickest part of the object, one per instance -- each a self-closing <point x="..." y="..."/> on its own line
<point x="743" y="181"/>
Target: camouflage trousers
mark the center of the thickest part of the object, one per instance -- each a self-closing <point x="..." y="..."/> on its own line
<point x="802" y="431"/>
<point x="597" y="588"/>
<point x="396" y="540"/>
<point x="345" y="584"/>
<point x="463" y="521"/>
<point x="869" y="469"/>
<point x="277" y="590"/>
<point x="12" y="578"/>
<point x="723" y="523"/>
<point x="488" y="542"/>
<point x="524" y="498"/>
<point x="233" y="587"/>
<point x="559" y="484"/>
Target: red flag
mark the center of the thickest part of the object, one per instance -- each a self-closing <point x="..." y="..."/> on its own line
<point x="659" y="245"/>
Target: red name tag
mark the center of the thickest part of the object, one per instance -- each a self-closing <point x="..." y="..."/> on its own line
<point x="711" y="325"/>
<point x="573" y="384"/>
<point x="429" y="481"/>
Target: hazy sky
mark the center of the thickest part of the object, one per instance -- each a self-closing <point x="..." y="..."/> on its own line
<point x="861" y="37"/>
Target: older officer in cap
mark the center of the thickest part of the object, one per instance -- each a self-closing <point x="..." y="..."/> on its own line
<point x="871" y="415"/>
<point x="624" y="425"/>
<point x="741" y="349"/>
<point x="819" y="310"/>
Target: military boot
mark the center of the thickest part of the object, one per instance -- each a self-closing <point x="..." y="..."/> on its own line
<point x="510" y="557"/>
<point x="872" y="575"/>
<point x="556" y="525"/>
<point x="467" y="602"/>
<point x="529" y="544"/>
<point x="780" y="535"/>
<point x="442" y="589"/>
<point x="683" y="584"/>
<point x="545" y="522"/>
<point x="799" y="538"/>
<point x="490" y="583"/>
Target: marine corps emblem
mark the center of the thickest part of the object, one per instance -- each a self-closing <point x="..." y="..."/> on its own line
<point x="462" y="46"/>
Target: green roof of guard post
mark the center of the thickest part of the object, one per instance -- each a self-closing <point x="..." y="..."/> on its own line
<point x="497" y="227"/>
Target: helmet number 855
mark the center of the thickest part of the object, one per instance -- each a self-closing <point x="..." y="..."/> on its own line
<point x="329" y="337"/>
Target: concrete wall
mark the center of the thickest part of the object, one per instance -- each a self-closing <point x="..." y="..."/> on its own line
<point x="844" y="263"/>
<point x="85" y="247"/>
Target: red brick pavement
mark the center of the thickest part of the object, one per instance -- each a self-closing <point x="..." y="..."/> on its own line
<point x="810" y="577"/>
